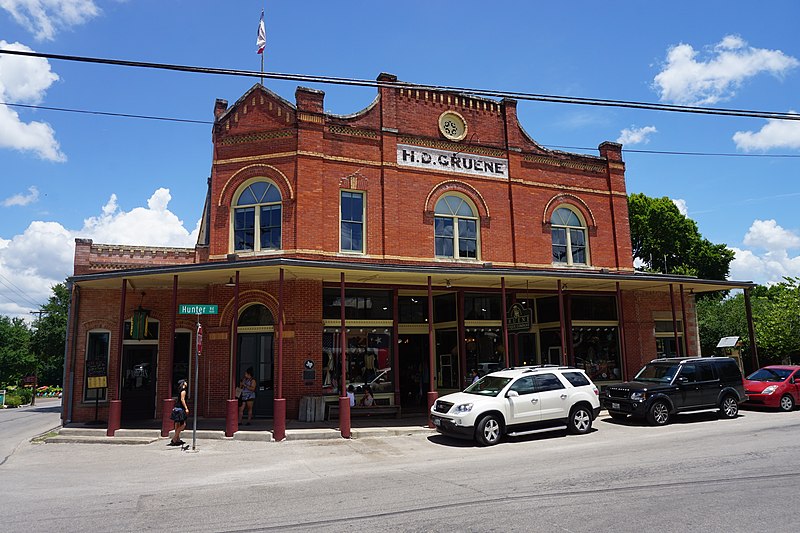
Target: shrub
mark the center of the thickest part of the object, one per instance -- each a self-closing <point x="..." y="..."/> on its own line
<point x="24" y="395"/>
<point x="13" y="401"/>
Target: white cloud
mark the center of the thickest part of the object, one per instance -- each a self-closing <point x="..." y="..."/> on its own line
<point x="634" y="135"/>
<point x="774" y="134"/>
<point x="22" y="199"/>
<point x="681" y="205"/>
<point x="772" y="265"/>
<point x="44" y="18"/>
<point x="685" y="80"/>
<point x="43" y="254"/>
<point x="25" y="80"/>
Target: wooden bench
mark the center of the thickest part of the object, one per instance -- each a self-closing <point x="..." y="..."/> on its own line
<point x="382" y="411"/>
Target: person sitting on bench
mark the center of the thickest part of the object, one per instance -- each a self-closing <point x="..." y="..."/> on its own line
<point x="368" y="400"/>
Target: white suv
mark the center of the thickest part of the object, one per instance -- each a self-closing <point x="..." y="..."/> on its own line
<point x="519" y="401"/>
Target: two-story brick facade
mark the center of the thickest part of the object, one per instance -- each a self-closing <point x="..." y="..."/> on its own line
<point x="458" y="243"/>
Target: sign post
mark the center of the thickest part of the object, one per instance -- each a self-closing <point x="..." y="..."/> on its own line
<point x="197" y="309"/>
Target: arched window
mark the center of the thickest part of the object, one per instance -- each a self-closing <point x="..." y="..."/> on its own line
<point x="455" y="228"/>
<point x="256" y="315"/>
<point x="257" y="218"/>
<point x="569" y="237"/>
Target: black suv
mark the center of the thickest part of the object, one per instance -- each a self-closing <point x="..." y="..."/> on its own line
<point x="664" y="387"/>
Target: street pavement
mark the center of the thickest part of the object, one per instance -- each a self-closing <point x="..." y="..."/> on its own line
<point x="700" y="473"/>
<point x="18" y="426"/>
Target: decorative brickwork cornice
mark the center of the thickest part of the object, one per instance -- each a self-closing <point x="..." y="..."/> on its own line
<point x="309" y="117"/>
<point x="256" y="137"/>
<point x="451" y="100"/>
<point x="355" y="132"/>
<point x="449" y="146"/>
<point x="564" y="163"/>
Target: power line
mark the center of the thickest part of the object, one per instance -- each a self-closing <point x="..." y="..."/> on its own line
<point x="552" y="146"/>
<point x="7" y="283"/>
<point x="774" y="115"/>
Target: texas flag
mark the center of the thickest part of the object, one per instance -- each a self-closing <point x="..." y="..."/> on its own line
<point x="261" y="40"/>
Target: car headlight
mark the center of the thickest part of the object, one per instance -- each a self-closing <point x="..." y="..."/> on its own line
<point x="638" y="396"/>
<point x="463" y="408"/>
<point x="769" y="390"/>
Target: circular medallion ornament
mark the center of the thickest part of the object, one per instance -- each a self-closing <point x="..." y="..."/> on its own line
<point x="452" y="125"/>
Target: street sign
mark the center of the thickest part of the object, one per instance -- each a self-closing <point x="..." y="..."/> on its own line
<point x="29" y="379"/>
<point x="198" y="309"/>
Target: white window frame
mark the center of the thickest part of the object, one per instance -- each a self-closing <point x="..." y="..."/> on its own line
<point x="256" y="219"/>
<point x="363" y="221"/>
<point x="455" y="218"/>
<point x="583" y="227"/>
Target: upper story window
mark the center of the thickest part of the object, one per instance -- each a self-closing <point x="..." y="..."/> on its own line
<point x="257" y="218"/>
<point x="569" y="237"/>
<point x="352" y="221"/>
<point x="456" y="228"/>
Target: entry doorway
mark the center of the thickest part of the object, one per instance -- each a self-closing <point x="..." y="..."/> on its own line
<point x="138" y="391"/>
<point x="255" y="350"/>
<point x="413" y="375"/>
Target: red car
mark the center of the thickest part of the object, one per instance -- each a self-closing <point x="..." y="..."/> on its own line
<point x="775" y="386"/>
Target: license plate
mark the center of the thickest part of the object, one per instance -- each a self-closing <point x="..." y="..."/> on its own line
<point x="437" y="422"/>
<point x="615" y="406"/>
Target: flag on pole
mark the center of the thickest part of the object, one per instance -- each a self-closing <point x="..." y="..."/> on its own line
<point x="261" y="40"/>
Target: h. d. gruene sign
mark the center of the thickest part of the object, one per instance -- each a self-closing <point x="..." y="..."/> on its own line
<point x="458" y="162"/>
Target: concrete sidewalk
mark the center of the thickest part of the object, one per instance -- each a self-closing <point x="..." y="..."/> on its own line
<point x="259" y="430"/>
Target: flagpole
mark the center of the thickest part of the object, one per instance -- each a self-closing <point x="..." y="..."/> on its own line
<point x="262" y="68"/>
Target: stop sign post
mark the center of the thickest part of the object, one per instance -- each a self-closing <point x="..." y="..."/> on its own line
<point x="197" y="309"/>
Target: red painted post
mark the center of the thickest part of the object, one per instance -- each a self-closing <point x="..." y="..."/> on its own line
<point x="344" y="401"/>
<point x="432" y="394"/>
<point x="674" y="322"/>
<point x="505" y="321"/>
<point x="114" y="416"/>
<point x="166" y="421"/>
<point x="279" y="403"/>
<point x="563" y="328"/>
<point x="231" y="417"/>
<point x="685" y="323"/>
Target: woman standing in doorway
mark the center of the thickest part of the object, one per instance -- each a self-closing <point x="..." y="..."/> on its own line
<point x="179" y="413"/>
<point x="248" y="396"/>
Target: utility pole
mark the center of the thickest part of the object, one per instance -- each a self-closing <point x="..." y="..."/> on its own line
<point x="40" y="312"/>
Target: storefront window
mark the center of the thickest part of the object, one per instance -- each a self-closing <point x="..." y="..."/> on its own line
<point x="482" y="307"/>
<point x="593" y="307"/>
<point x="522" y="348"/>
<point x="597" y="352"/>
<point x="447" y="359"/>
<point x="413" y="309"/>
<point x="368" y="359"/>
<point x="547" y="309"/>
<point x="550" y="347"/>
<point x="181" y="358"/>
<point x="359" y="304"/>
<point x="96" y="366"/>
<point x="444" y="308"/>
<point x="484" y="349"/>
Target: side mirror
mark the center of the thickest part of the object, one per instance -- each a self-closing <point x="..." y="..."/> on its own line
<point x="512" y="394"/>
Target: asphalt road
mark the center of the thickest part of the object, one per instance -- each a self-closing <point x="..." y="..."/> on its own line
<point x="700" y="473"/>
<point x="18" y="426"/>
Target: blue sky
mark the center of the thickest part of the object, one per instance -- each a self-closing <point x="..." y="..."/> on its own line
<point x="117" y="180"/>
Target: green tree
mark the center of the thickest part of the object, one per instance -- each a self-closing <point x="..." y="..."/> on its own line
<point x="667" y="241"/>
<point x="16" y="359"/>
<point x="49" y="336"/>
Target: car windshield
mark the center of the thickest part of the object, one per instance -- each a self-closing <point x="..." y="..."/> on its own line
<point x="657" y="372"/>
<point x="488" y="386"/>
<point x="770" y="374"/>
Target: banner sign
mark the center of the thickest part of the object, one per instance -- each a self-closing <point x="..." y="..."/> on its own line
<point x="519" y="319"/>
<point x="456" y="162"/>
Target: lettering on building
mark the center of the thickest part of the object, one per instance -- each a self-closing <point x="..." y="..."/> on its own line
<point x="455" y="162"/>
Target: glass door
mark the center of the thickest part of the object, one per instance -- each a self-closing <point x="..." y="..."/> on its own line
<point x="255" y="351"/>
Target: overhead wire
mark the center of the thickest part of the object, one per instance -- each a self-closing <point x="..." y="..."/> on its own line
<point x="338" y="80"/>
<point x="551" y="146"/>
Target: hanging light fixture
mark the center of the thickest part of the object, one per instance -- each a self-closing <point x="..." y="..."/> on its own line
<point x="230" y="283"/>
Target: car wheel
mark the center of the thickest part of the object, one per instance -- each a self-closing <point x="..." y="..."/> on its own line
<point x="658" y="415"/>
<point x="729" y="408"/>
<point x="618" y="416"/>
<point x="580" y="420"/>
<point x="489" y="430"/>
<point x="787" y="403"/>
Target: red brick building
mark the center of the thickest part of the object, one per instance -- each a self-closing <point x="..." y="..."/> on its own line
<point x="458" y="242"/>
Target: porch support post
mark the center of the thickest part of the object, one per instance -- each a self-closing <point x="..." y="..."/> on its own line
<point x="279" y="402"/>
<point x="115" y="405"/>
<point x="622" y="340"/>
<point x="462" y="334"/>
<point x="232" y="404"/>
<point x="344" y="401"/>
<point x="674" y="322"/>
<point x="561" y="324"/>
<point x="432" y="394"/>
<point x="751" y="332"/>
<point x="169" y="401"/>
<point x="395" y="345"/>
<point x="505" y="321"/>
<point x="685" y="323"/>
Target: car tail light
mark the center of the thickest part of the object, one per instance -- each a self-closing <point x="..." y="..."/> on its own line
<point x="596" y="392"/>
